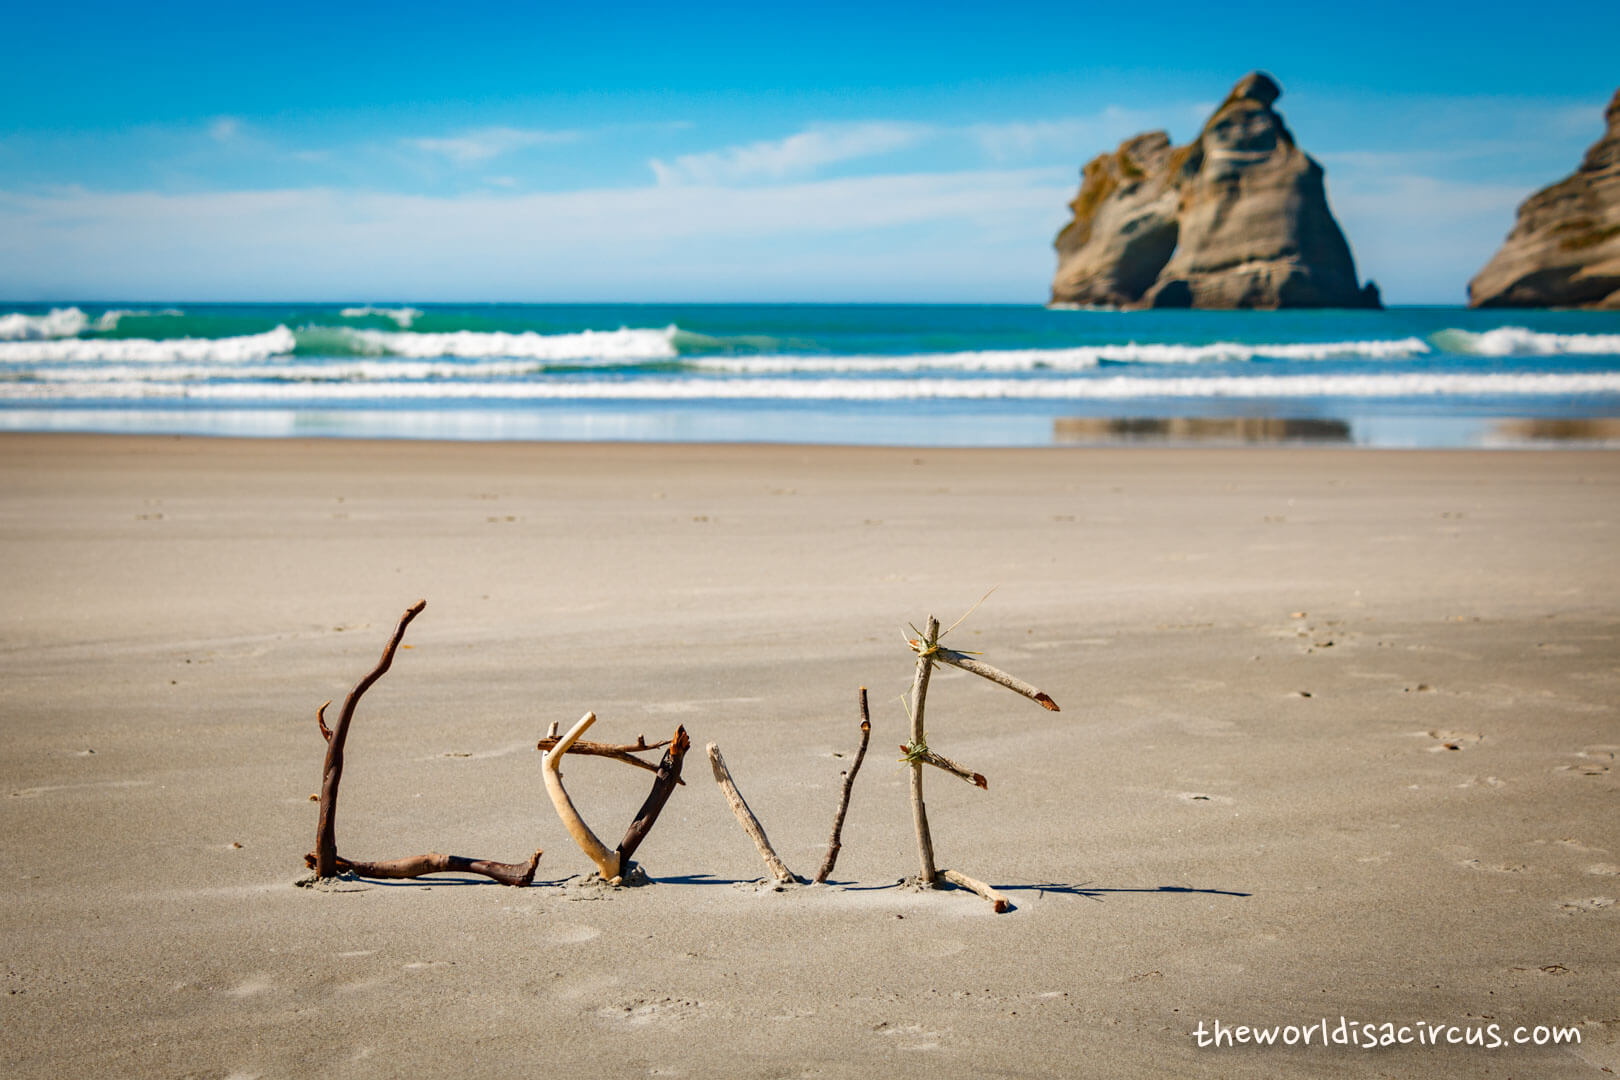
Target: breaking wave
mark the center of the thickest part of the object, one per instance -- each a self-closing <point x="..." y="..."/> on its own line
<point x="230" y="350"/>
<point x="1522" y="341"/>
<point x="401" y="316"/>
<point x="620" y="345"/>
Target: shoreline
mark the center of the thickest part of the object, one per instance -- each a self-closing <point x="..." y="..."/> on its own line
<point x="1192" y="839"/>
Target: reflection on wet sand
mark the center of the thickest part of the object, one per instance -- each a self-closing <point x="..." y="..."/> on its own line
<point x="1231" y="429"/>
<point x="1578" y="429"/>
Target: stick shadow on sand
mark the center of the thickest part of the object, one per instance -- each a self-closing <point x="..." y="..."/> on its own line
<point x="1098" y="892"/>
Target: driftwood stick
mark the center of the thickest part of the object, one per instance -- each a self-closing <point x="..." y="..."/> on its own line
<point x="835" y="844"/>
<point x="940" y="761"/>
<point x="414" y="866"/>
<point x="625" y="753"/>
<point x="999" y="902"/>
<point x="320" y="718"/>
<point x="919" y="812"/>
<point x="551" y="730"/>
<point x="332" y="772"/>
<point x="994" y="674"/>
<point x="669" y="774"/>
<point x="607" y="862"/>
<point x="746" y="818"/>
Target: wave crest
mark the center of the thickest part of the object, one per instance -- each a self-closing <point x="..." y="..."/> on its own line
<point x="1522" y="341"/>
<point x="230" y="350"/>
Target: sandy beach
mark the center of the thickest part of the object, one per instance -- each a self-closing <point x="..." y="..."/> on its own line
<point x="1338" y="740"/>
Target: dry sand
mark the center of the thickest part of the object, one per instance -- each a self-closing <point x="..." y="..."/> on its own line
<point x="1338" y="739"/>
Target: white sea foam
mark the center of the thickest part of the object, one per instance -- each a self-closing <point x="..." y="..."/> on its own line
<point x="379" y="370"/>
<point x="1406" y="385"/>
<point x="231" y="350"/>
<point x="621" y="344"/>
<point x="60" y="323"/>
<point x="402" y="316"/>
<point x="1074" y="359"/>
<point x="108" y="321"/>
<point x="1522" y="341"/>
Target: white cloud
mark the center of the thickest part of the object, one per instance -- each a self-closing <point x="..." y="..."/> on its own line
<point x="472" y="147"/>
<point x="795" y="156"/>
<point x="1082" y="137"/>
<point x="224" y="129"/>
<point x="962" y="235"/>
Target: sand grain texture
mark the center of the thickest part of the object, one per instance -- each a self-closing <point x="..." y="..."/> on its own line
<point x="1430" y="834"/>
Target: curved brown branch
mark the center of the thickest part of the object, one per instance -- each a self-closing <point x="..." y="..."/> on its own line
<point x="625" y="753"/>
<point x="320" y="718"/>
<point x="332" y="772"/>
<point x="835" y="843"/>
<point x="415" y="866"/>
<point x="669" y="774"/>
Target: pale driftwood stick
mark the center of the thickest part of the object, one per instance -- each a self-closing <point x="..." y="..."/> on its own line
<point x="746" y="818"/>
<point x="940" y="761"/>
<point x="625" y="753"/>
<point x="332" y="772"/>
<point x="994" y="674"/>
<point x="414" y="866"/>
<point x="919" y="812"/>
<point x="999" y="902"/>
<point x="835" y="844"/>
<point x="669" y="774"/>
<point x="551" y="730"/>
<point x="607" y="862"/>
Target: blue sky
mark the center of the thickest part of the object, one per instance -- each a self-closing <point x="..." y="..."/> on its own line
<point x="734" y="153"/>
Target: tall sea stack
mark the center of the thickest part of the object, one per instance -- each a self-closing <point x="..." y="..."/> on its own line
<point x="1238" y="218"/>
<point x="1564" y="250"/>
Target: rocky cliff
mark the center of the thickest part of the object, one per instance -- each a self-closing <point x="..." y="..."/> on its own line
<point x="1564" y="250"/>
<point x="1238" y="218"/>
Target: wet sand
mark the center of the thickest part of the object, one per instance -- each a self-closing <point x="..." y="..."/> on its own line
<point x="1338" y="739"/>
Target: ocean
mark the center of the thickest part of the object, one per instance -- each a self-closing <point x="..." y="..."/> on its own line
<point x="929" y="375"/>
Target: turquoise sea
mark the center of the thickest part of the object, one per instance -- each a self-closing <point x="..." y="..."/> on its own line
<point x="946" y="375"/>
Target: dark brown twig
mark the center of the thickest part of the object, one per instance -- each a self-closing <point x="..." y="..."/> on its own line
<point x="414" y="866"/>
<point x="625" y="753"/>
<point x="940" y="761"/>
<point x="835" y="844"/>
<point x="669" y="774"/>
<point x="332" y="772"/>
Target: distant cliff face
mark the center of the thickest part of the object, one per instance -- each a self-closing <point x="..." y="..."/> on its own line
<point x="1238" y="218"/>
<point x="1564" y="250"/>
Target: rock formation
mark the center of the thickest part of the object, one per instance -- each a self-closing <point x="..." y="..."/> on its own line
<point x="1238" y="218"/>
<point x="1564" y="250"/>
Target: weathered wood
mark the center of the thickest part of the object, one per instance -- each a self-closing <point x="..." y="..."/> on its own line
<point x="669" y="774"/>
<point x="607" y="862"/>
<point x="332" y="771"/>
<point x="746" y="818"/>
<point x="940" y="761"/>
<point x="835" y="844"/>
<point x="999" y="902"/>
<point x="415" y="866"/>
<point x="919" y="812"/>
<point x="618" y="752"/>
<point x="994" y="674"/>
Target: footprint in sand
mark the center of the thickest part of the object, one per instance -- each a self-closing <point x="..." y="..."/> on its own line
<point x="1499" y="868"/>
<point x="1452" y="740"/>
<point x="1581" y="907"/>
<point x="1604" y="869"/>
<point x="1594" y="761"/>
<point x="641" y="1011"/>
